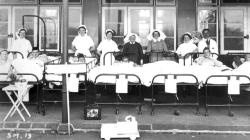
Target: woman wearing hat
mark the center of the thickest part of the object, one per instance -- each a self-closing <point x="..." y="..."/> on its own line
<point x="132" y="49"/>
<point x="156" y="45"/>
<point x="186" y="47"/>
<point x="21" y="44"/>
<point x="83" y="44"/>
<point x="107" y="45"/>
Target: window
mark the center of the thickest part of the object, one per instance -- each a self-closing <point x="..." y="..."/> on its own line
<point x="18" y="1"/>
<point x="30" y="23"/>
<point x="233" y="29"/>
<point x="59" y="1"/>
<point x="235" y="1"/>
<point x="114" y="18"/>
<point x="75" y="19"/>
<point x="207" y="2"/>
<point x="207" y="19"/>
<point x="167" y="25"/>
<point x="51" y="17"/>
<point x="4" y="24"/>
<point x="140" y="21"/>
<point x="165" y="2"/>
<point x="126" y="1"/>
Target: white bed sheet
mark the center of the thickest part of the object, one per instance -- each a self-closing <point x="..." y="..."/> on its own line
<point x="120" y="68"/>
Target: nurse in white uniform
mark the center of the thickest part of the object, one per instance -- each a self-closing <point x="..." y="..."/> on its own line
<point x="107" y="45"/>
<point x="186" y="47"/>
<point x="21" y="44"/>
<point x="83" y="43"/>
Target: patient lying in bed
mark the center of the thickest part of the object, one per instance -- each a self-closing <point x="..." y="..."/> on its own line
<point x="35" y="55"/>
<point x="207" y="60"/>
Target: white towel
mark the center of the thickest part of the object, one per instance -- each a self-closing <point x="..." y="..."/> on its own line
<point x="171" y="85"/>
<point x="121" y="84"/>
<point x="23" y="93"/>
<point x="73" y="83"/>
<point x="233" y="86"/>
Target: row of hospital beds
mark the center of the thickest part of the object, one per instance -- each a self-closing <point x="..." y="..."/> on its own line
<point x="167" y="74"/>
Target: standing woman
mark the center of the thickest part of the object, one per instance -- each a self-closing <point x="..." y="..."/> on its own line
<point x="21" y="44"/>
<point x="156" y="44"/>
<point x="83" y="44"/>
<point x="107" y="45"/>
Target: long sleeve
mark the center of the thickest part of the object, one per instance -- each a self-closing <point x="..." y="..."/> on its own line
<point x="140" y="51"/>
<point x="165" y="48"/>
<point x="149" y="47"/>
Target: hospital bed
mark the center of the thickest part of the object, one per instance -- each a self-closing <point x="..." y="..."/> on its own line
<point x="167" y="55"/>
<point x="233" y="82"/>
<point x="52" y="79"/>
<point x="13" y="53"/>
<point x="115" y="79"/>
<point x="170" y="82"/>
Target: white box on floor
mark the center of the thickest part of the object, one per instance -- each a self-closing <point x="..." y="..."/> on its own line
<point x="126" y="129"/>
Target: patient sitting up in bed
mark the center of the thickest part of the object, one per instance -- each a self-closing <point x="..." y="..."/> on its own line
<point x="207" y="60"/>
<point x="36" y="55"/>
<point x="3" y="57"/>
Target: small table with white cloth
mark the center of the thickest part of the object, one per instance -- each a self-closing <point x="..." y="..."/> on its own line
<point x="19" y="100"/>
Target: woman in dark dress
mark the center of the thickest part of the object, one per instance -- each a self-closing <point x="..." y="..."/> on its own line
<point x="133" y="49"/>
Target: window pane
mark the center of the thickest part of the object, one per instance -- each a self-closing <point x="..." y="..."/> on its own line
<point x="127" y="1"/>
<point x="18" y="1"/>
<point x="233" y="44"/>
<point x="165" y="21"/>
<point x="140" y="22"/>
<point x="235" y="1"/>
<point x="207" y="1"/>
<point x="207" y="19"/>
<point x="29" y="24"/>
<point x="51" y="16"/>
<point x="165" y="2"/>
<point x="114" y="19"/>
<point x="74" y="21"/>
<point x="4" y="28"/>
<point x="233" y="30"/>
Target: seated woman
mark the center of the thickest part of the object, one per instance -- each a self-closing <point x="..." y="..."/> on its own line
<point x="207" y="60"/>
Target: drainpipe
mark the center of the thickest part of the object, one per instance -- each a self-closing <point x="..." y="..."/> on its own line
<point x="64" y="59"/>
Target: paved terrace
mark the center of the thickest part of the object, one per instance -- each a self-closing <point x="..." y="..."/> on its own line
<point x="218" y="120"/>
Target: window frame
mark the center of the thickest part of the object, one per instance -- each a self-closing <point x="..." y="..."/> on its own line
<point x="207" y="4"/>
<point x="164" y="4"/>
<point x="125" y="19"/>
<point x="175" y="31"/>
<point x="59" y="32"/>
<point x="217" y="20"/>
<point x="245" y="42"/>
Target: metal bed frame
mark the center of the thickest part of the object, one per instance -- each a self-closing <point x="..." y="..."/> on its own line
<point x="176" y="112"/>
<point x="14" y="52"/>
<point x="37" y="83"/>
<point x="46" y="88"/>
<point x="230" y="101"/>
<point x="164" y="55"/>
<point x="117" y="101"/>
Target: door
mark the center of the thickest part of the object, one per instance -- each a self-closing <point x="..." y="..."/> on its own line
<point x="235" y="29"/>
